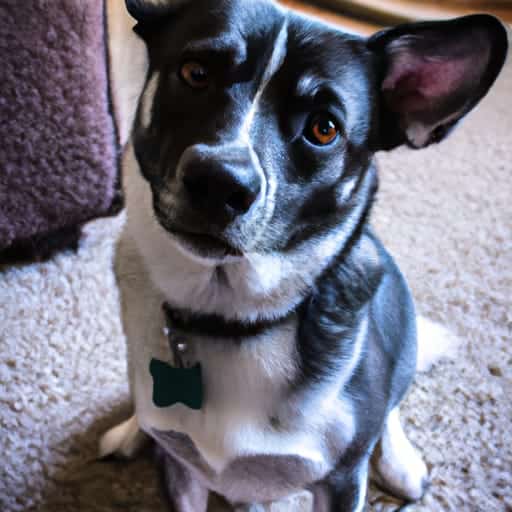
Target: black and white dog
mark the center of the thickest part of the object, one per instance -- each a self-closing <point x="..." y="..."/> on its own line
<point x="248" y="192"/>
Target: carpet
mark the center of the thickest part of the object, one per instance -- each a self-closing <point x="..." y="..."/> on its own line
<point x="445" y="213"/>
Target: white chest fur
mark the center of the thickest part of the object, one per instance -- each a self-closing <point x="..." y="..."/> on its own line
<point x="245" y="411"/>
<point x="246" y="387"/>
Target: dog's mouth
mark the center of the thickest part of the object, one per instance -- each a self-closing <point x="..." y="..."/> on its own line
<point x="205" y="244"/>
<point x="197" y="241"/>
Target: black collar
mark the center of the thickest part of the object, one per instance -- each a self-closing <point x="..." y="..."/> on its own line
<point x="212" y="325"/>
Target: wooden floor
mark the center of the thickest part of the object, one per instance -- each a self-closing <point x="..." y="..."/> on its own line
<point x="350" y="22"/>
<point x="400" y="11"/>
<point x="368" y="16"/>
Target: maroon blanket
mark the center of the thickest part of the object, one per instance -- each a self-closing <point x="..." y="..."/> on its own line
<point x="58" y="142"/>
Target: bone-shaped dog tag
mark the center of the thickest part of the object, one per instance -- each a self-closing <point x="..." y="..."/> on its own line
<point x="176" y="385"/>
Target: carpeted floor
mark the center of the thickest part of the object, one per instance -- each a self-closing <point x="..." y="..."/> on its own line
<point x="445" y="213"/>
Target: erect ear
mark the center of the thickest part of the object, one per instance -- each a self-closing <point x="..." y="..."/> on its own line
<point x="433" y="73"/>
<point x="151" y="13"/>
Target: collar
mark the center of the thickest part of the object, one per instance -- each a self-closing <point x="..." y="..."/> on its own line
<point x="183" y="383"/>
<point x="187" y="322"/>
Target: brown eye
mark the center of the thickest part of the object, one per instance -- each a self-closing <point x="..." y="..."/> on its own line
<point x="195" y="75"/>
<point x="322" y="130"/>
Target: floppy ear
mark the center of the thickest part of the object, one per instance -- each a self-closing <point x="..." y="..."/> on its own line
<point x="151" y="13"/>
<point x="433" y="73"/>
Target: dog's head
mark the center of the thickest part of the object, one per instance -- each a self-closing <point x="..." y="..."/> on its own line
<point x="256" y="128"/>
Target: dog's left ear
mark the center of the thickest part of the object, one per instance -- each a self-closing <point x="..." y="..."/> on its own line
<point x="151" y="13"/>
<point x="433" y="73"/>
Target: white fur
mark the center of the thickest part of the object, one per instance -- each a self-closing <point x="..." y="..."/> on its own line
<point x="399" y="467"/>
<point x="146" y="101"/>
<point x="419" y="134"/>
<point x="274" y="64"/>
<point x="435" y="342"/>
<point x="245" y="385"/>
<point x="347" y="189"/>
<point x="125" y="440"/>
<point x="363" y="488"/>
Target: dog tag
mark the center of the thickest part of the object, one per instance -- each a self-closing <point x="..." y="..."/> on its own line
<point x="176" y="385"/>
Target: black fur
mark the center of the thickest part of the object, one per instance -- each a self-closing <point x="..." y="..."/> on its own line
<point x="41" y="247"/>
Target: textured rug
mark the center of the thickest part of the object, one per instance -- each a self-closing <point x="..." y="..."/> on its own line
<point x="445" y="213"/>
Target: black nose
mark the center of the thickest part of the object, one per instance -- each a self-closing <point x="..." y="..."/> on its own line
<point x="223" y="190"/>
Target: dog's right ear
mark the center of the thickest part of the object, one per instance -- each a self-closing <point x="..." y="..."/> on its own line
<point x="149" y="14"/>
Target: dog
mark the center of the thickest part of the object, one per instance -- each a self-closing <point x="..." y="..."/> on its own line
<point x="254" y="270"/>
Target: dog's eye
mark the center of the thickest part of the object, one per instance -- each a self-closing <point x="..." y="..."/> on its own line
<point x="322" y="129"/>
<point x="195" y="75"/>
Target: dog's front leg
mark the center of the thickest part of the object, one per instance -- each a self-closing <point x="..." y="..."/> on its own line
<point x="183" y="492"/>
<point x="344" y="490"/>
<point x="301" y="501"/>
<point x="254" y="507"/>
<point x="142" y="323"/>
<point x="125" y="440"/>
<point x="397" y="466"/>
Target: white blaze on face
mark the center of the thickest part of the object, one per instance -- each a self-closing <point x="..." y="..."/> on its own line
<point x="274" y="64"/>
<point x="147" y="100"/>
<point x="268" y="180"/>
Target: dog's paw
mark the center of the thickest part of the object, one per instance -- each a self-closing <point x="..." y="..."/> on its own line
<point x="396" y="464"/>
<point x="254" y="507"/>
<point x="406" y="478"/>
<point x="299" y="502"/>
<point x="125" y="440"/>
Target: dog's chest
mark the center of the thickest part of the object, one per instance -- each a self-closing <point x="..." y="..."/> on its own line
<point x="249" y="427"/>
<point x="246" y="478"/>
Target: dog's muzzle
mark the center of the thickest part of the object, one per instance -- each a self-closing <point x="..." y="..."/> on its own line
<point x="219" y="183"/>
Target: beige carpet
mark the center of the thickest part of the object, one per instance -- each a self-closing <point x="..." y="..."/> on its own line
<point x="445" y="213"/>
